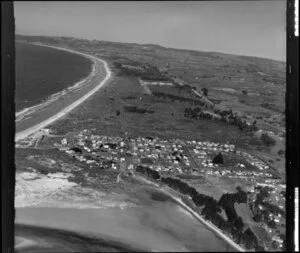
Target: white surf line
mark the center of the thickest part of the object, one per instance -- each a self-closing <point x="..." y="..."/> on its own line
<point x="27" y="111"/>
<point x="207" y="223"/>
<point x="23" y="134"/>
<point x="196" y="215"/>
<point x="24" y="243"/>
<point x="53" y="97"/>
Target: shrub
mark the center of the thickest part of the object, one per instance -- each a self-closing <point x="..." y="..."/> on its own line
<point x="76" y="149"/>
<point x="268" y="140"/>
<point x="218" y="159"/>
<point x="204" y="91"/>
<point x="117" y="65"/>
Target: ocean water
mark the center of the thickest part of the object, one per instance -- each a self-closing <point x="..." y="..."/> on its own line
<point x="43" y="71"/>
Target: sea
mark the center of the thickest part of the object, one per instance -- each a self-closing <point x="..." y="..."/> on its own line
<point x="43" y="71"/>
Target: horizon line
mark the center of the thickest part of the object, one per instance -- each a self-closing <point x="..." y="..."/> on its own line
<point x="186" y="49"/>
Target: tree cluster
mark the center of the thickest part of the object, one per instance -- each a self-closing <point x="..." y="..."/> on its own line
<point x="149" y="172"/>
<point x="227" y="203"/>
<point x="76" y="149"/>
<point x="271" y="107"/>
<point x="218" y="159"/>
<point x="128" y="98"/>
<point x="149" y="73"/>
<point x="268" y="140"/>
<point x="273" y="208"/>
<point x="136" y="109"/>
<point x="226" y="116"/>
<point x="183" y="87"/>
<point x="197" y="113"/>
<point x="211" y="208"/>
<point x="204" y="91"/>
<point x="178" y="98"/>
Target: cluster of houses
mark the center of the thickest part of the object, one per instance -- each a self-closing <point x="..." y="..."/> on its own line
<point x="254" y="161"/>
<point x="156" y="83"/>
<point x="172" y="156"/>
<point x="211" y="146"/>
<point x="276" y="198"/>
<point x="159" y="154"/>
<point x="235" y="172"/>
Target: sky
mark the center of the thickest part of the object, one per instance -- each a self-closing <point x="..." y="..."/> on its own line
<point x="254" y="28"/>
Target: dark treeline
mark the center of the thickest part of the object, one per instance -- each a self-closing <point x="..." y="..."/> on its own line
<point x="129" y="98"/>
<point x="178" y="98"/>
<point x="211" y="208"/>
<point x="268" y="140"/>
<point x="267" y="208"/>
<point x="149" y="172"/>
<point x="271" y="107"/>
<point x="226" y="116"/>
<point x="227" y="203"/>
<point x="274" y="80"/>
<point x="212" y="211"/>
<point x="145" y="72"/>
<point x="76" y="149"/>
<point x="136" y="109"/>
<point x="273" y="209"/>
<point x="185" y="87"/>
<point x="197" y="113"/>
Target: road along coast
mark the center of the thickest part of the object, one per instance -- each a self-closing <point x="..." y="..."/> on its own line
<point x="46" y="114"/>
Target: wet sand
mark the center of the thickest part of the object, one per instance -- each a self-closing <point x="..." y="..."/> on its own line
<point x="40" y="239"/>
<point x="159" y="225"/>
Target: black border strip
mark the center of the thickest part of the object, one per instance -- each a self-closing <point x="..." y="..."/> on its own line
<point x="292" y="122"/>
<point x="7" y="124"/>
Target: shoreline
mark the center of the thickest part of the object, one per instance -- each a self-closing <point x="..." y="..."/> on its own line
<point x="25" y="133"/>
<point x="54" y="96"/>
<point x="207" y="223"/>
<point x="211" y="226"/>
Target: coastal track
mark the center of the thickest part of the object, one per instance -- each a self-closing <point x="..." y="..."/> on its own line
<point x="65" y="110"/>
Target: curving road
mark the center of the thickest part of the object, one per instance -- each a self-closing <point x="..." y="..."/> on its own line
<point x="55" y="111"/>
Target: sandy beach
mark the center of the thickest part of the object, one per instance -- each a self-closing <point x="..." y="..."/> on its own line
<point x="156" y="220"/>
<point x="208" y="224"/>
<point x="51" y="111"/>
<point x="152" y="226"/>
<point x="191" y="212"/>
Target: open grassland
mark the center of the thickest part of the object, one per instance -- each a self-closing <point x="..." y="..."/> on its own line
<point x="100" y="113"/>
<point x="252" y="87"/>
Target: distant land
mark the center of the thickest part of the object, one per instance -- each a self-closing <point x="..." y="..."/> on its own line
<point x="20" y="36"/>
<point x="171" y="137"/>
